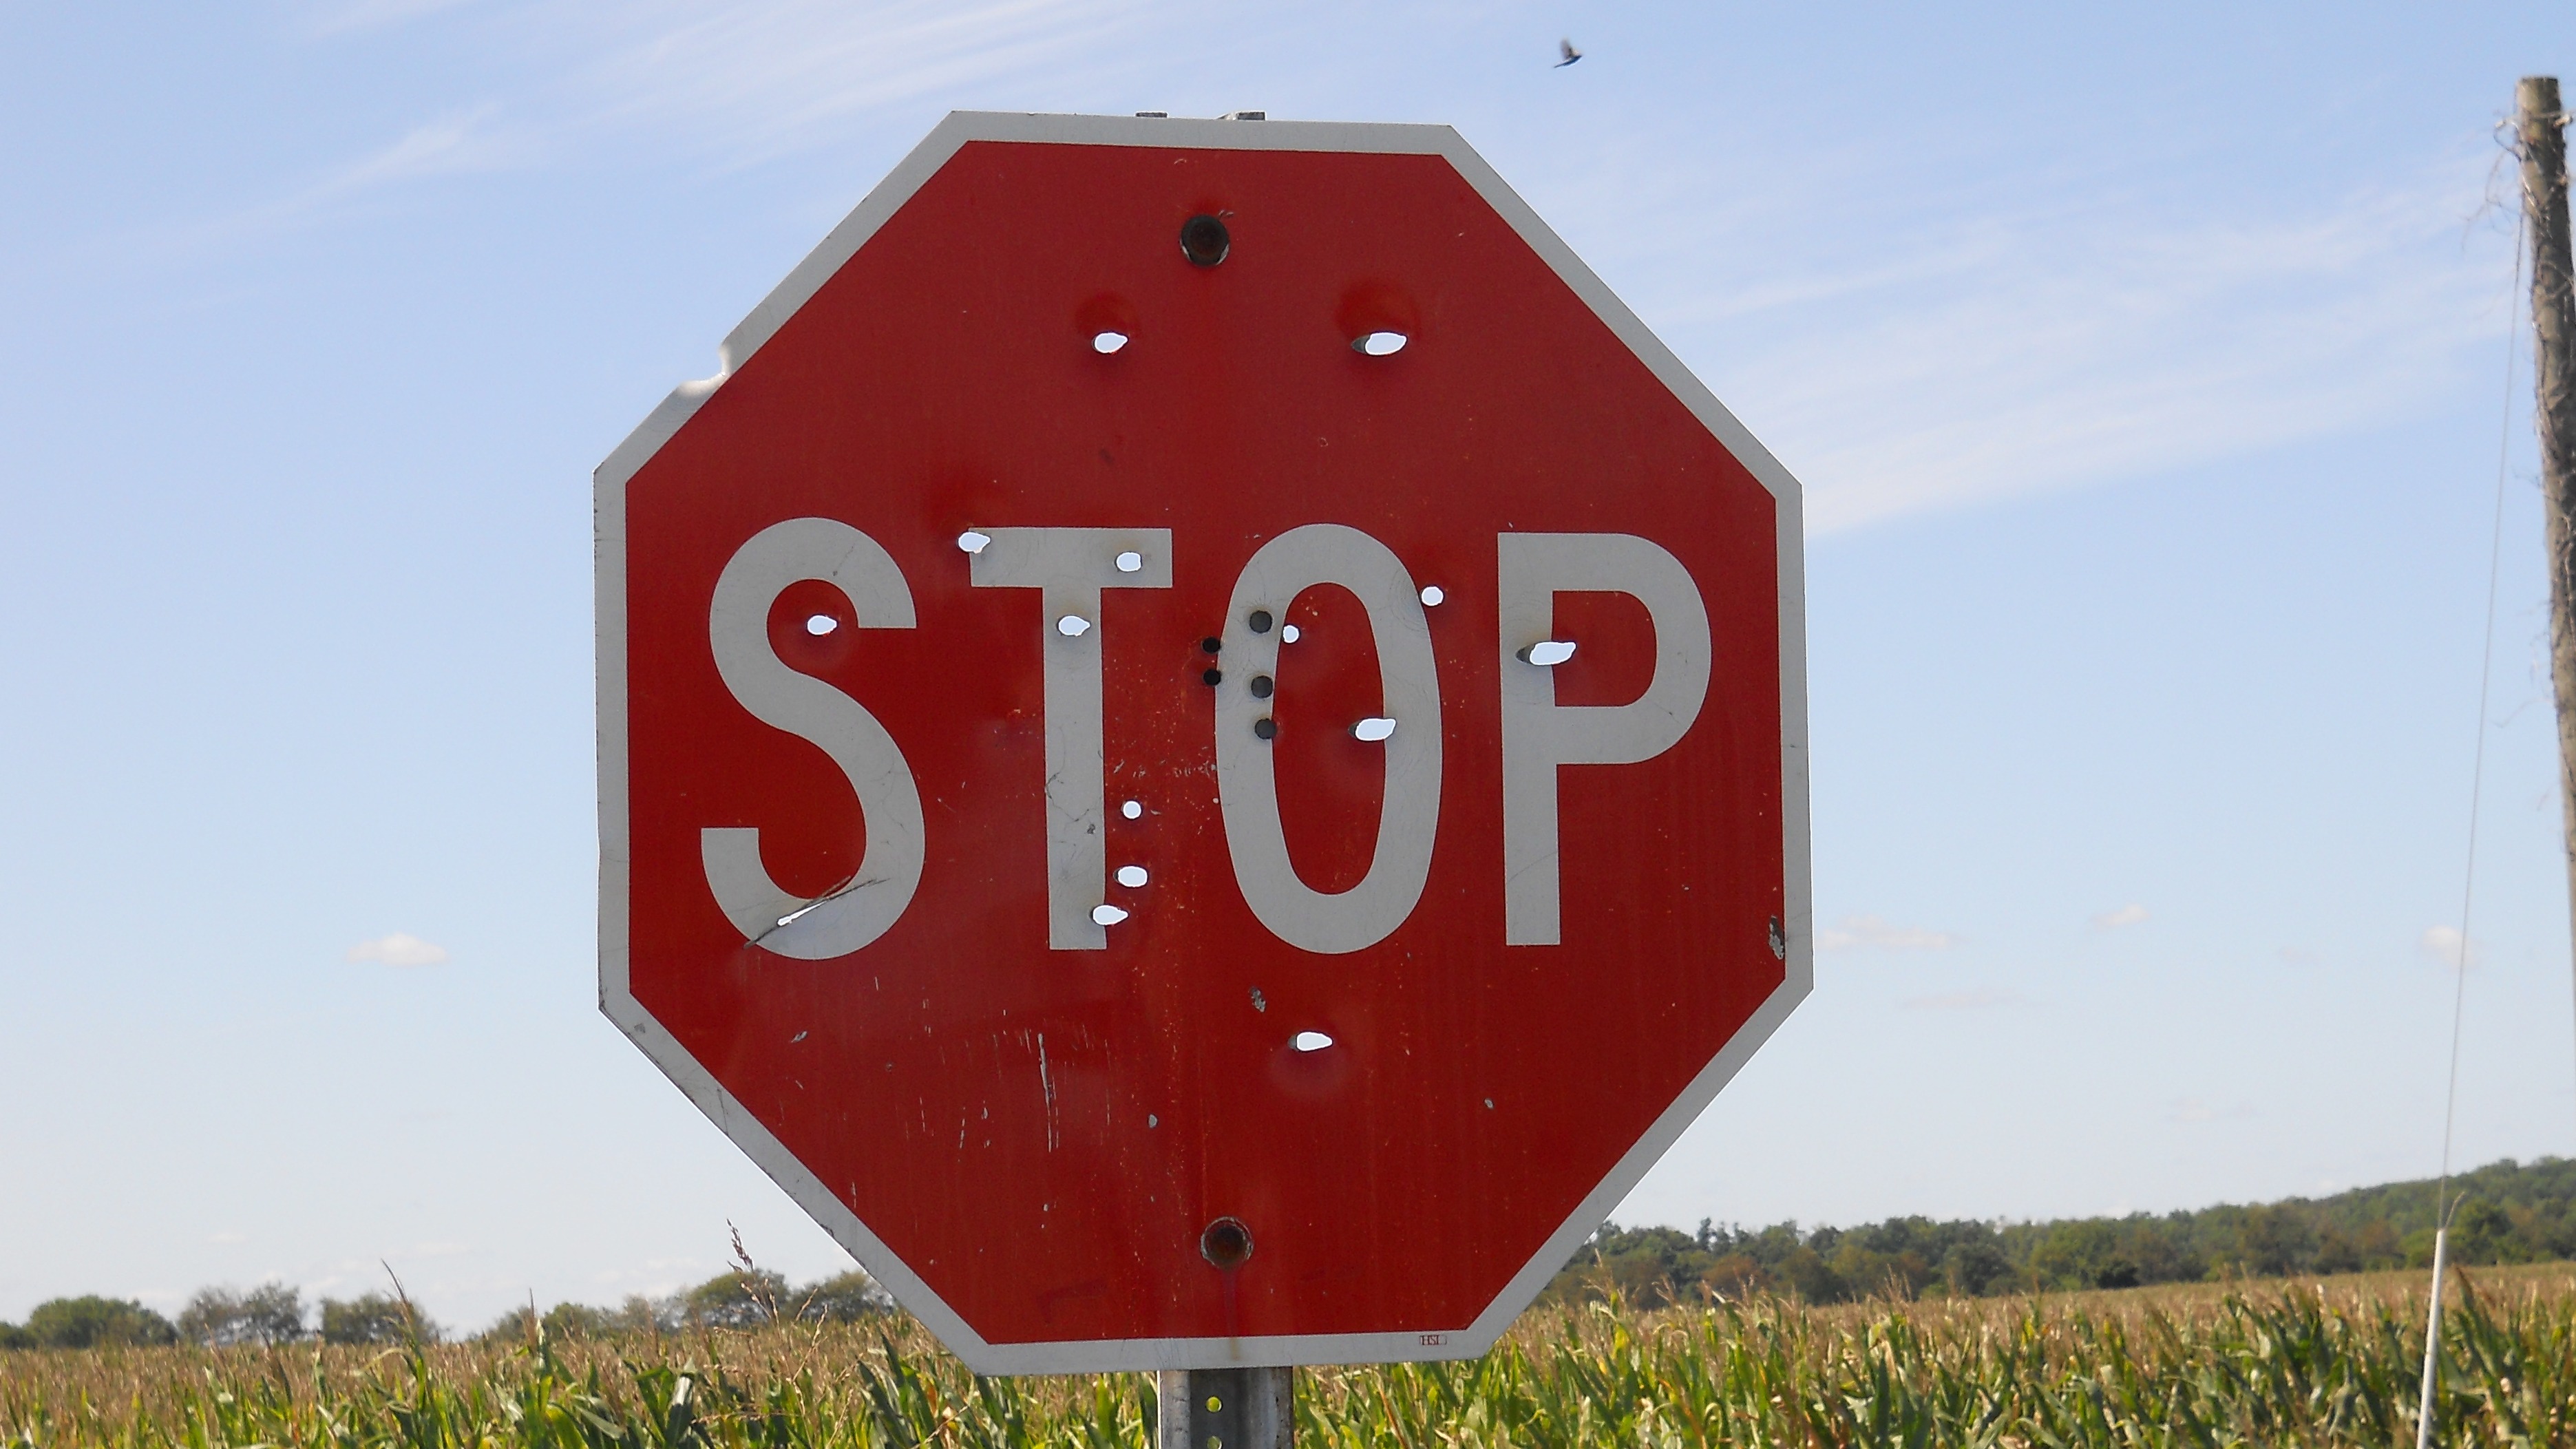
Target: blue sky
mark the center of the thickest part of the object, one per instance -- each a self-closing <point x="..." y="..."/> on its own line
<point x="2145" y="367"/>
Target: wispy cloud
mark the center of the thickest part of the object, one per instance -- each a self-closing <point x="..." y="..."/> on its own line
<point x="2442" y="943"/>
<point x="2131" y="914"/>
<point x="1866" y="930"/>
<point x="755" y="78"/>
<point x="1995" y="347"/>
<point x="398" y="949"/>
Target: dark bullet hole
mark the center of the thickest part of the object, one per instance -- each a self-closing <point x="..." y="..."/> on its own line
<point x="1260" y="621"/>
<point x="1214" y="676"/>
<point x="1211" y="644"/>
<point x="1261" y="686"/>
<point x="1226" y="1243"/>
<point x="1265" y="727"/>
<point x="1204" y="240"/>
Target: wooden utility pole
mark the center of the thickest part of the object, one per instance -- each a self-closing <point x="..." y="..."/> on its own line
<point x="2543" y="143"/>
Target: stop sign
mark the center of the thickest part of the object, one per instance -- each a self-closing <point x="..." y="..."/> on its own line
<point x="1201" y="743"/>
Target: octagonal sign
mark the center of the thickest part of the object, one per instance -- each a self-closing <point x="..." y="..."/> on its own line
<point x="1201" y="743"/>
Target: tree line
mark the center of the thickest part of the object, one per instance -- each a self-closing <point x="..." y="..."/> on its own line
<point x="274" y="1313"/>
<point x="2509" y="1213"/>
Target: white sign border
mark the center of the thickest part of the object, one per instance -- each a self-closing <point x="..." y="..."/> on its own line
<point x="618" y="1003"/>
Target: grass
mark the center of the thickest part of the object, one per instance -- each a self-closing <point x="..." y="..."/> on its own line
<point x="2330" y="1361"/>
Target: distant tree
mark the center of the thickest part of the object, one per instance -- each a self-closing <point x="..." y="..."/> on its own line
<point x="12" y="1336"/>
<point x="374" y="1318"/>
<point x="1975" y="1268"/>
<point x="92" y="1322"/>
<point x="849" y="1298"/>
<point x="736" y="1299"/>
<point x="271" y="1313"/>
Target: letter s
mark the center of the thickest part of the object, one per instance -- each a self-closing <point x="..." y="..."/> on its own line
<point x="864" y="907"/>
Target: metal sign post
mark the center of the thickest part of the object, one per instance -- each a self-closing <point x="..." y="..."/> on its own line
<point x="1202" y="748"/>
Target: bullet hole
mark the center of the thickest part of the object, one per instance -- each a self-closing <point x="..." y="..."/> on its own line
<point x="1131" y="876"/>
<point x="1310" y="1041"/>
<point x="1288" y="634"/>
<point x="1205" y="241"/>
<point x="1073" y="626"/>
<point x="1266" y="728"/>
<point x="1380" y="344"/>
<point x="1261" y="686"/>
<point x="1133" y="810"/>
<point x="1130" y="561"/>
<point x="1432" y="594"/>
<point x="973" y="542"/>
<point x="1547" y="652"/>
<point x="819" y="625"/>
<point x="1105" y="343"/>
<point x="1374" y="729"/>
<point x="1259" y="621"/>
<point x="1212" y="644"/>
<point x="1107" y="915"/>
<point x="1212" y="677"/>
<point x="1226" y="1243"/>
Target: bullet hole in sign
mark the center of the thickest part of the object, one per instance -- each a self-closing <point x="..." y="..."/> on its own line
<point x="1226" y="1243"/>
<point x="1133" y="810"/>
<point x="819" y="625"/>
<point x="1212" y="677"/>
<point x="1374" y="729"/>
<point x="1547" y="653"/>
<point x="1107" y="915"/>
<point x="1432" y="594"/>
<point x="1288" y="634"/>
<point x="1265" y="728"/>
<point x="1261" y="686"/>
<point x="1258" y="621"/>
<point x="1211" y="644"/>
<point x="1131" y="876"/>
<point x="1073" y="626"/>
<point x="1310" y="1041"/>
<point x="1130" y="562"/>
<point x="1380" y="344"/>
<point x="973" y="542"/>
<point x="1205" y="241"/>
<point x="1105" y="343"/>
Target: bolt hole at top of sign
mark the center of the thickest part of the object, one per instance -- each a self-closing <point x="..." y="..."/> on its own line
<point x="1205" y="240"/>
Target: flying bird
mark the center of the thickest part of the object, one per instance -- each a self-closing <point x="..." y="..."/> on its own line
<point x="1566" y="48"/>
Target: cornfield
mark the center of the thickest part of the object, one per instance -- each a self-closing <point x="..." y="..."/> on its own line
<point x="2325" y="1363"/>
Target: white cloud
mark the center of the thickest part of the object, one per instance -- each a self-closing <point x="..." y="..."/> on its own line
<point x="2128" y="915"/>
<point x="1868" y="930"/>
<point x="1963" y="1000"/>
<point x="398" y="949"/>
<point x="2442" y="943"/>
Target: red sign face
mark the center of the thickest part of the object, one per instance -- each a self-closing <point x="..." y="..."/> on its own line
<point x="1202" y="743"/>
